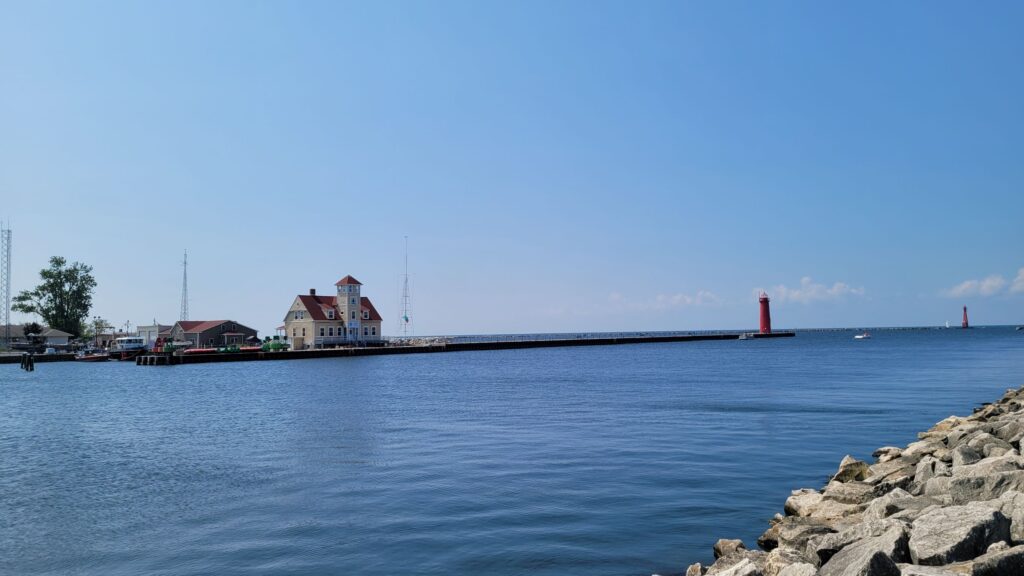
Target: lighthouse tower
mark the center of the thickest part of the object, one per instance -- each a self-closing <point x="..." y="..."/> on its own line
<point x="350" y="304"/>
<point x="964" y="324"/>
<point x="766" y="315"/>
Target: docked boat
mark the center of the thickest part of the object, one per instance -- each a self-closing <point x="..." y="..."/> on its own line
<point x="127" y="347"/>
<point x="862" y="336"/>
<point x="92" y="356"/>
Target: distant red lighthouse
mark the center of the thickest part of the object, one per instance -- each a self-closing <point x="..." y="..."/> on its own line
<point x="766" y="315"/>
<point x="964" y="324"/>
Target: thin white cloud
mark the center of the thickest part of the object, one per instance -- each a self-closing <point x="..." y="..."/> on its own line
<point x="988" y="286"/>
<point x="1018" y="282"/>
<point x="811" y="291"/>
<point x="665" y="301"/>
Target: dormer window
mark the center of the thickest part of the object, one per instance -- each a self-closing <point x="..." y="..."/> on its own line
<point x="330" y="314"/>
<point x="366" y="315"/>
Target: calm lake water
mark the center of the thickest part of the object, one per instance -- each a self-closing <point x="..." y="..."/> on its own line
<point x="617" y="460"/>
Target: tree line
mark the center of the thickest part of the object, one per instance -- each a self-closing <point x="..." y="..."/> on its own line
<point x="63" y="298"/>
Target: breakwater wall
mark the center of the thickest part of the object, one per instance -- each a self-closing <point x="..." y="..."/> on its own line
<point x="39" y="358"/>
<point x="950" y="504"/>
<point x="167" y="359"/>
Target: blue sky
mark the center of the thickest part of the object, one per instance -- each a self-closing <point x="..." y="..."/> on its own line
<point x="557" y="166"/>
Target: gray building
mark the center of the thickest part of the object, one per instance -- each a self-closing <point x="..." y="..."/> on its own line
<point x="211" y="333"/>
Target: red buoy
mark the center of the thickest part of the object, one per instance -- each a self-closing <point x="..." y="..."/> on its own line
<point x="766" y="315"/>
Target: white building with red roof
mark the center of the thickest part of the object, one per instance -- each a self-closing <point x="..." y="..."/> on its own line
<point x="347" y="318"/>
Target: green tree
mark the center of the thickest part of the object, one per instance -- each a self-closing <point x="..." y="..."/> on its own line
<point x="33" y="333"/>
<point x="63" y="299"/>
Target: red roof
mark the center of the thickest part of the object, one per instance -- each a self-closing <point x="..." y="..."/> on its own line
<point x="347" y="280"/>
<point x="196" y="326"/>
<point x="367" y="306"/>
<point x="317" y="306"/>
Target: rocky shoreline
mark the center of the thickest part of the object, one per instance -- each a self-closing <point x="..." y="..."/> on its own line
<point x="950" y="504"/>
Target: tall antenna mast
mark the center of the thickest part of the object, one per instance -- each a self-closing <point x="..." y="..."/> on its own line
<point x="5" y="281"/>
<point x="184" y="288"/>
<point x="405" y="321"/>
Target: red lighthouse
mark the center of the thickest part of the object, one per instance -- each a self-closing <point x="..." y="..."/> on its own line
<point x="766" y="315"/>
<point x="964" y="324"/>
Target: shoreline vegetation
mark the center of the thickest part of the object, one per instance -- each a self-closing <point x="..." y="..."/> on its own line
<point x="949" y="504"/>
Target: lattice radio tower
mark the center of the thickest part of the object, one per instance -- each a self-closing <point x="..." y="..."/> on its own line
<point x="184" y="288"/>
<point x="405" y="320"/>
<point x="5" y="282"/>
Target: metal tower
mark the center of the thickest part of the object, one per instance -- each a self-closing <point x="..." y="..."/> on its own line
<point x="5" y="283"/>
<point x="184" y="288"/>
<point x="405" y="320"/>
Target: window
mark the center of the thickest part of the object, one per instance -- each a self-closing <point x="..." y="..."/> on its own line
<point x="353" y="301"/>
<point x="366" y="331"/>
<point x="373" y="330"/>
<point x="303" y="331"/>
<point x="293" y="332"/>
<point x="330" y="314"/>
<point x="353" y="314"/>
<point x="299" y="314"/>
<point x="321" y="331"/>
<point x="366" y="315"/>
<point x="330" y="330"/>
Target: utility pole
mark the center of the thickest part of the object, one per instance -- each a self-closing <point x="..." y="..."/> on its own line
<point x="5" y="281"/>
<point x="184" y="288"/>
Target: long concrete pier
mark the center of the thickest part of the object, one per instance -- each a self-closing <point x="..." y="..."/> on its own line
<point x="172" y="359"/>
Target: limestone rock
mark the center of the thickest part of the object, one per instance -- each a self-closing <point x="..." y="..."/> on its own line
<point x="779" y="558"/>
<point x="882" y="470"/>
<point x="978" y="488"/>
<point x="801" y="569"/>
<point x="897" y="501"/>
<point x="1012" y="506"/>
<point x="956" y="533"/>
<point x="1005" y="563"/>
<point x="913" y="570"/>
<point x="745" y="567"/>
<point x="850" y="469"/>
<point x="886" y="453"/>
<point x="876" y="556"/>
<point x="793" y="532"/>
<point x="725" y="547"/>
<point x="997" y="547"/>
<point x="693" y="570"/>
<point x="821" y="548"/>
<point x="984" y="442"/>
<point x="964" y="455"/>
<point x="849" y="492"/>
<point x="929" y="467"/>
<point x="801" y="501"/>
<point x="917" y="450"/>
<point x="991" y="465"/>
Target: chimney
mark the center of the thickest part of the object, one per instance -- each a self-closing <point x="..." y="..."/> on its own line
<point x="312" y="291"/>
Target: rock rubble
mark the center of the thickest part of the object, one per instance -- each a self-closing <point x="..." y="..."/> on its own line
<point x="950" y="504"/>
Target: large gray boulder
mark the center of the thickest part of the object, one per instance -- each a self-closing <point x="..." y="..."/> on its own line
<point x="988" y="466"/>
<point x="887" y="453"/>
<point x="956" y="533"/>
<point x="780" y="558"/>
<point x="876" y="556"/>
<point x="964" y="455"/>
<point x="793" y="532"/>
<point x="966" y="489"/>
<point x="897" y="501"/>
<point x="820" y="549"/>
<point x="1006" y="563"/>
<point x="929" y="467"/>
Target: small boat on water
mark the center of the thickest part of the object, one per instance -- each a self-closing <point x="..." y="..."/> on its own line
<point x="92" y="356"/>
<point x="862" y="336"/>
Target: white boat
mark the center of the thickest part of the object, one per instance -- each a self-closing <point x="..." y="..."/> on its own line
<point x="863" y="336"/>
<point x="127" y="347"/>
